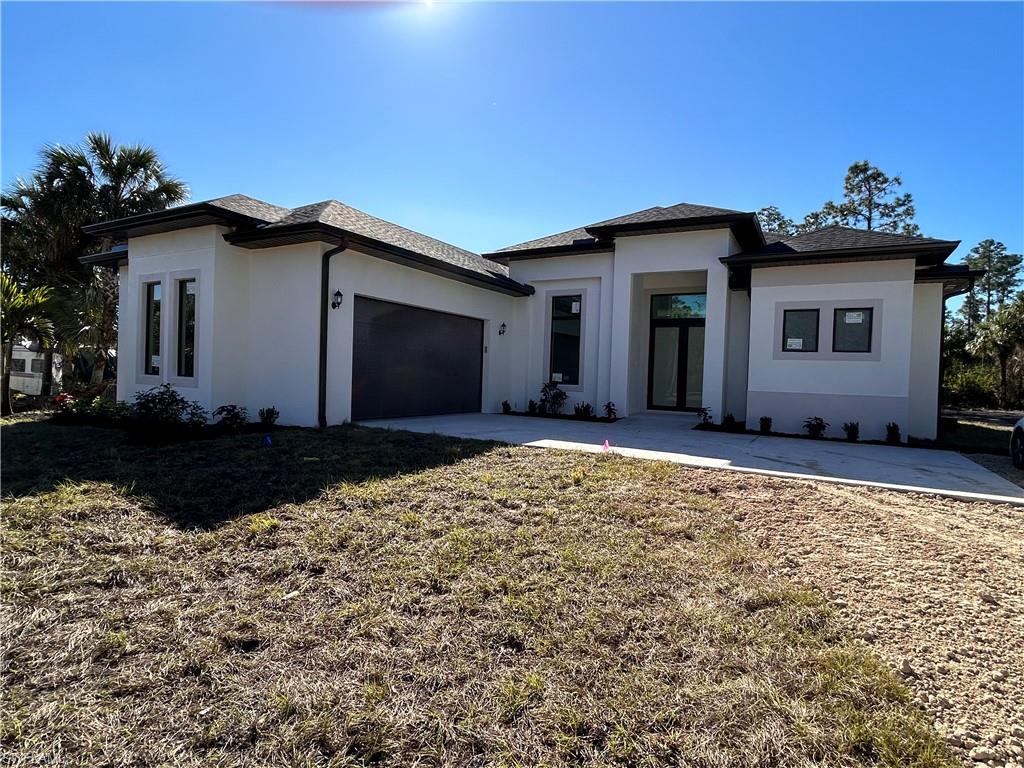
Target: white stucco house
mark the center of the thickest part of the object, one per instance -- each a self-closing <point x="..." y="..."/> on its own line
<point x="331" y="315"/>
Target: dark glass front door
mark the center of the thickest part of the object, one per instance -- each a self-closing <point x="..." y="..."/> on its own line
<point x="675" y="373"/>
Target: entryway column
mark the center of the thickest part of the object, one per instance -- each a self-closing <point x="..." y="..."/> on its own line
<point x="715" y="340"/>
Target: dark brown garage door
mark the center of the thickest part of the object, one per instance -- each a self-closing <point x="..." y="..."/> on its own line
<point x="408" y="361"/>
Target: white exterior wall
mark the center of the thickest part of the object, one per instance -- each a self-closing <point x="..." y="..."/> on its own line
<point x="590" y="275"/>
<point x="925" y="352"/>
<point x="678" y="252"/>
<point x="163" y="258"/>
<point x="790" y="388"/>
<point x="257" y="321"/>
<point x="356" y="274"/>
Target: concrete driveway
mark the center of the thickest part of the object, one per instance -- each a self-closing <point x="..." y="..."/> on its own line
<point x="670" y="437"/>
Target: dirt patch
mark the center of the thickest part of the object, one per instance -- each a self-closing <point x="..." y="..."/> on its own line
<point x="934" y="585"/>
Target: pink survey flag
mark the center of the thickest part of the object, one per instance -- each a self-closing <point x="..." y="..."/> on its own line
<point x="605" y="447"/>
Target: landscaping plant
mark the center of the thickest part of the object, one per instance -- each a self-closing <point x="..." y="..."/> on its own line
<point x="552" y="398"/>
<point x="609" y="410"/>
<point x="892" y="432"/>
<point x="852" y="430"/>
<point x="583" y="411"/>
<point x="506" y="406"/>
<point x="765" y="425"/>
<point x="816" y="426"/>
<point x="269" y="416"/>
<point x="231" y="417"/>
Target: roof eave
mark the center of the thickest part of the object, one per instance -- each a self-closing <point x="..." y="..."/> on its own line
<point x="570" y="249"/>
<point x="319" y="232"/>
<point x="745" y="227"/>
<point x="932" y="253"/>
<point x="169" y="219"/>
<point x="114" y="258"/>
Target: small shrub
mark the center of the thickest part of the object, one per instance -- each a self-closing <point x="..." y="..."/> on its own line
<point x="160" y="406"/>
<point x="531" y="407"/>
<point x="583" y="411"/>
<point x="852" y="430"/>
<point x="552" y="398"/>
<point x="269" y="416"/>
<point x="815" y="426"/>
<point x="704" y="415"/>
<point x="609" y="410"/>
<point x="506" y="406"/>
<point x="231" y="416"/>
<point x="730" y="424"/>
<point x="195" y="415"/>
<point x="105" y="411"/>
<point x="63" y="401"/>
<point x="765" y="425"/>
<point x="892" y="432"/>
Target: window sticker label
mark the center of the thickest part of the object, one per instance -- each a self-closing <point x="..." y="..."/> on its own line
<point x="556" y="377"/>
<point x="854" y="317"/>
<point x="155" y="361"/>
<point x="794" y="343"/>
<point x="575" y="307"/>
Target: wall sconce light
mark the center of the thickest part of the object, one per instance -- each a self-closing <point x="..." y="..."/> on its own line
<point x="337" y="300"/>
<point x="501" y="329"/>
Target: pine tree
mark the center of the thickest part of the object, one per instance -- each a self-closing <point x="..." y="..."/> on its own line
<point x="1002" y="273"/>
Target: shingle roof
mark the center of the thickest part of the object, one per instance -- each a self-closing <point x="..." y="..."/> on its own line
<point x="569" y="237"/>
<point x="837" y="237"/>
<point x="249" y="206"/>
<point x="336" y="214"/>
<point x="657" y="214"/>
<point x="667" y="213"/>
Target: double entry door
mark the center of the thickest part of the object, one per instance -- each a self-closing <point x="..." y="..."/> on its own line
<point x="675" y="375"/>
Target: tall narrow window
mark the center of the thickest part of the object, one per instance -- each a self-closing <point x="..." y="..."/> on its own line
<point x="187" y="327"/>
<point x="151" y="359"/>
<point x="566" y="313"/>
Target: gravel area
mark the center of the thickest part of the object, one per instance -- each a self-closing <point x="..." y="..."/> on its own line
<point x="935" y="585"/>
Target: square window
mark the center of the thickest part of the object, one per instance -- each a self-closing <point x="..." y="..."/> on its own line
<point x="18" y="365"/>
<point x="566" y="324"/>
<point x="800" y="330"/>
<point x="37" y="365"/>
<point x="851" y="330"/>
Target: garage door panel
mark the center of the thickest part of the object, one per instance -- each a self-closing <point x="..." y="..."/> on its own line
<point x="409" y="361"/>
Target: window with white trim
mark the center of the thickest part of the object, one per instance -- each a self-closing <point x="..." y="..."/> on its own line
<point x="151" y="345"/>
<point x="566" y="333"/>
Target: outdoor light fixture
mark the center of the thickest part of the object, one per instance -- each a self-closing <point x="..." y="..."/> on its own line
<point x="501" y="329"/>
<point x="337" y="300"/>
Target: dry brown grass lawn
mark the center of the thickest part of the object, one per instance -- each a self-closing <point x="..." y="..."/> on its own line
<point x="362" y="597"/>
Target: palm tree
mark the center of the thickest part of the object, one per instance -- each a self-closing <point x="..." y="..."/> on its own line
<point x="24" y="313"/>
<point x="999" y="337"/>
<point x="43" y="219"/>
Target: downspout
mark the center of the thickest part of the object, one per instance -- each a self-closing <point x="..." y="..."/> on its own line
<point x="325" y="301"/>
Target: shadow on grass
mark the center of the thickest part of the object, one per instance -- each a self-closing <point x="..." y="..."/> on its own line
<point x="204" y="483"/>
<point x="974" y="437"/>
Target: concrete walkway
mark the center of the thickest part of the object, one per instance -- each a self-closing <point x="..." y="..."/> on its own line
<point x="670" y="437"/>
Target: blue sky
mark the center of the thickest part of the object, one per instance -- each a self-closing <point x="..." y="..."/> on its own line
<point x="489" y="124"/>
